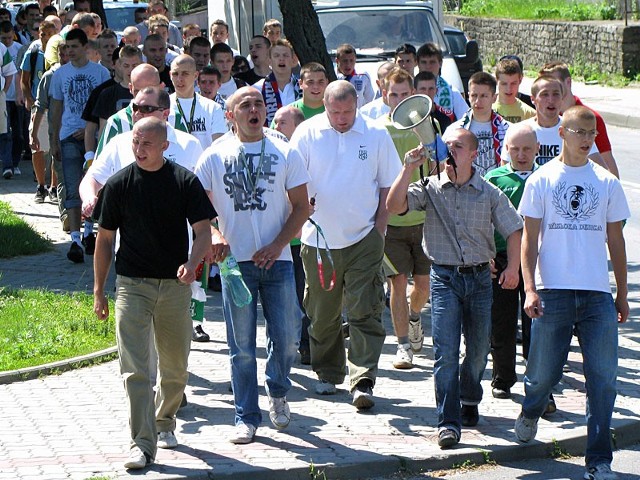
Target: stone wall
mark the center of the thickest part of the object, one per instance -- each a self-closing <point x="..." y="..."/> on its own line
<point x="610" y="45"/>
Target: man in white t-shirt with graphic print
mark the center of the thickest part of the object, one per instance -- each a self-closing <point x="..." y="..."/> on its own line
<point x="201" y="117"/>
<point x="573" y="212"/>
<point x="260" y="194"/>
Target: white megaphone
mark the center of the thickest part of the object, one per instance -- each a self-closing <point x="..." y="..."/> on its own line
<point x="413" y="113"/>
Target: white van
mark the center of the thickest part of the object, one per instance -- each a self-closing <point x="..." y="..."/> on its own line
<point x="377" y="27"/>
<point x="374" y="27"/>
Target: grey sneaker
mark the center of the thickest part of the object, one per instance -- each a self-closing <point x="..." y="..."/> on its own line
<point x="137" y="459"/>
<point x="600" y="472"/>
<point x="243" y="433"/>
<point x="167" y="440"/>
<point x="325" y="388"/>
<point x="404" y="357"/>
<point x="416" y="335"/>
<point x="279" y="412"/>
<point x="526" y="428"/>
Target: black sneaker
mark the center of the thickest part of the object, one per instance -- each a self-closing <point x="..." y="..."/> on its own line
<point x="448" y="438"/>
<point x="305" y="356"/>
<point x="75" y="253"/>
<point x="53" y="194"/>
<point x="89" y="243"/>
<point x="41" y="194"/>
<point x="551" y="406"/>
<point x="199" y="335"/>
<point x="470" y="415"/>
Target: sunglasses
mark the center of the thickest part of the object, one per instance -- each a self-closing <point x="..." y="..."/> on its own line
<point x="145" y="108"/>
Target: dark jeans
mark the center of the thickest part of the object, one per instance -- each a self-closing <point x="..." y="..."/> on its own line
<point x="504" y="325"/>
<point x="298" y="272"/>
<point x="16" y="115"/>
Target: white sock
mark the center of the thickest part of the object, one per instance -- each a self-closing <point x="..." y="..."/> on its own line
<point x="88" y="228"/>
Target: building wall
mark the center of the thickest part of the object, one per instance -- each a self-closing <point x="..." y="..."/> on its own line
<point x="610" y="45"/>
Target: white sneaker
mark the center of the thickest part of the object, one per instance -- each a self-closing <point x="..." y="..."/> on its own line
<point x="325" y="388"/>
<point x="167" y="440"/>
<point x="404" y="357"/>
<point x="600" y="472"/>
<point x="279" y="412"/>
<point x="16" y="171"/>
<point x="137" y="459"/>
<point x="243" y="433"/>
<point x="526" y="428"/>
<point x="416" y="335"/>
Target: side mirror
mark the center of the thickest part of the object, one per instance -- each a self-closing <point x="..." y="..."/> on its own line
<point x="472" y="52"/>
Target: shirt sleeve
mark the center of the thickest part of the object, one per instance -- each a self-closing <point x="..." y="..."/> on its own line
<point x="531" y="203"/>
<point x="617" y="208"/>
<point x="199" y="206"/>
<point x="504" y="216"/>
<point x="107" y="209"/>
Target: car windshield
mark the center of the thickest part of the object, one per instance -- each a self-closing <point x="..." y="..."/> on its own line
<point x="120" y="18"/>
<point x="379" y="30"/>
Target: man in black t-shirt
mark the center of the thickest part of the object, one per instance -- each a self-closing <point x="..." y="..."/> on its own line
<point x="148" y="203"/>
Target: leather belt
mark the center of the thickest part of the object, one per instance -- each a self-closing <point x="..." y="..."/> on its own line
<point x="467" y="269"/>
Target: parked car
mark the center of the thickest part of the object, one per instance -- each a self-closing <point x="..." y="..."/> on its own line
<point x="466" y="54"/>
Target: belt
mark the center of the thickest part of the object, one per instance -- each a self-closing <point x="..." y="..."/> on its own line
<point x="467" y="269"/>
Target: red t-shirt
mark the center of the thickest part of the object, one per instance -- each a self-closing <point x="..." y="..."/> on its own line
<point x="602" y="139"/>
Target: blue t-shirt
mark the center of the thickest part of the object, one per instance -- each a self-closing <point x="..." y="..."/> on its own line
<point x="72" y="86"/>
<point x="39" y="69"/>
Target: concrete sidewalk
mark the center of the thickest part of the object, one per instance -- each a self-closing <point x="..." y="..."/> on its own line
<point x="74" y="425"/>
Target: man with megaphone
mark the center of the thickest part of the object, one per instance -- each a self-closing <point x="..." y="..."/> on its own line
<point x="461" y="212"/>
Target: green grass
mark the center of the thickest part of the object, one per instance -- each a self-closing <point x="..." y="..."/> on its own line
<point x="18" y="237"/>
<point x="539" y="10"/>
<point x="40" y="326"/>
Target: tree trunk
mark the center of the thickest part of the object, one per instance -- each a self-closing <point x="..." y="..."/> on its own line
<point x="96" y="7"/>
<point x="302" y="29"/>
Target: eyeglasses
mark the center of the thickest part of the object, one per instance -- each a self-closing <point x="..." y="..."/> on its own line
<point x="583" y="133"/>
<point x="145" y="108"/>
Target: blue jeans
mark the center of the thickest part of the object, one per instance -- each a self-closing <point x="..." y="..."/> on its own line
<point x="594" y="316"/>
<point x="283" y="316"/>
<point x="72" y="152"/>
<point x="460" y="303"/>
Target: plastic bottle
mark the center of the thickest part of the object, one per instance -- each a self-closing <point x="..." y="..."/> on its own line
<point x="231" y="275"/>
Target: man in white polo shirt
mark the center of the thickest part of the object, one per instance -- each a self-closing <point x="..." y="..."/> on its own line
<point x="352" y="163"/>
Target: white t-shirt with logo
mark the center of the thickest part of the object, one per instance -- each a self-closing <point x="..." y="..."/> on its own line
<point x="250" y="191"/>
<point x="486" y="158"/>
<point x="228" y="88"/>
<point x="207" y="120"/>
<point x="575" y="205"/>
